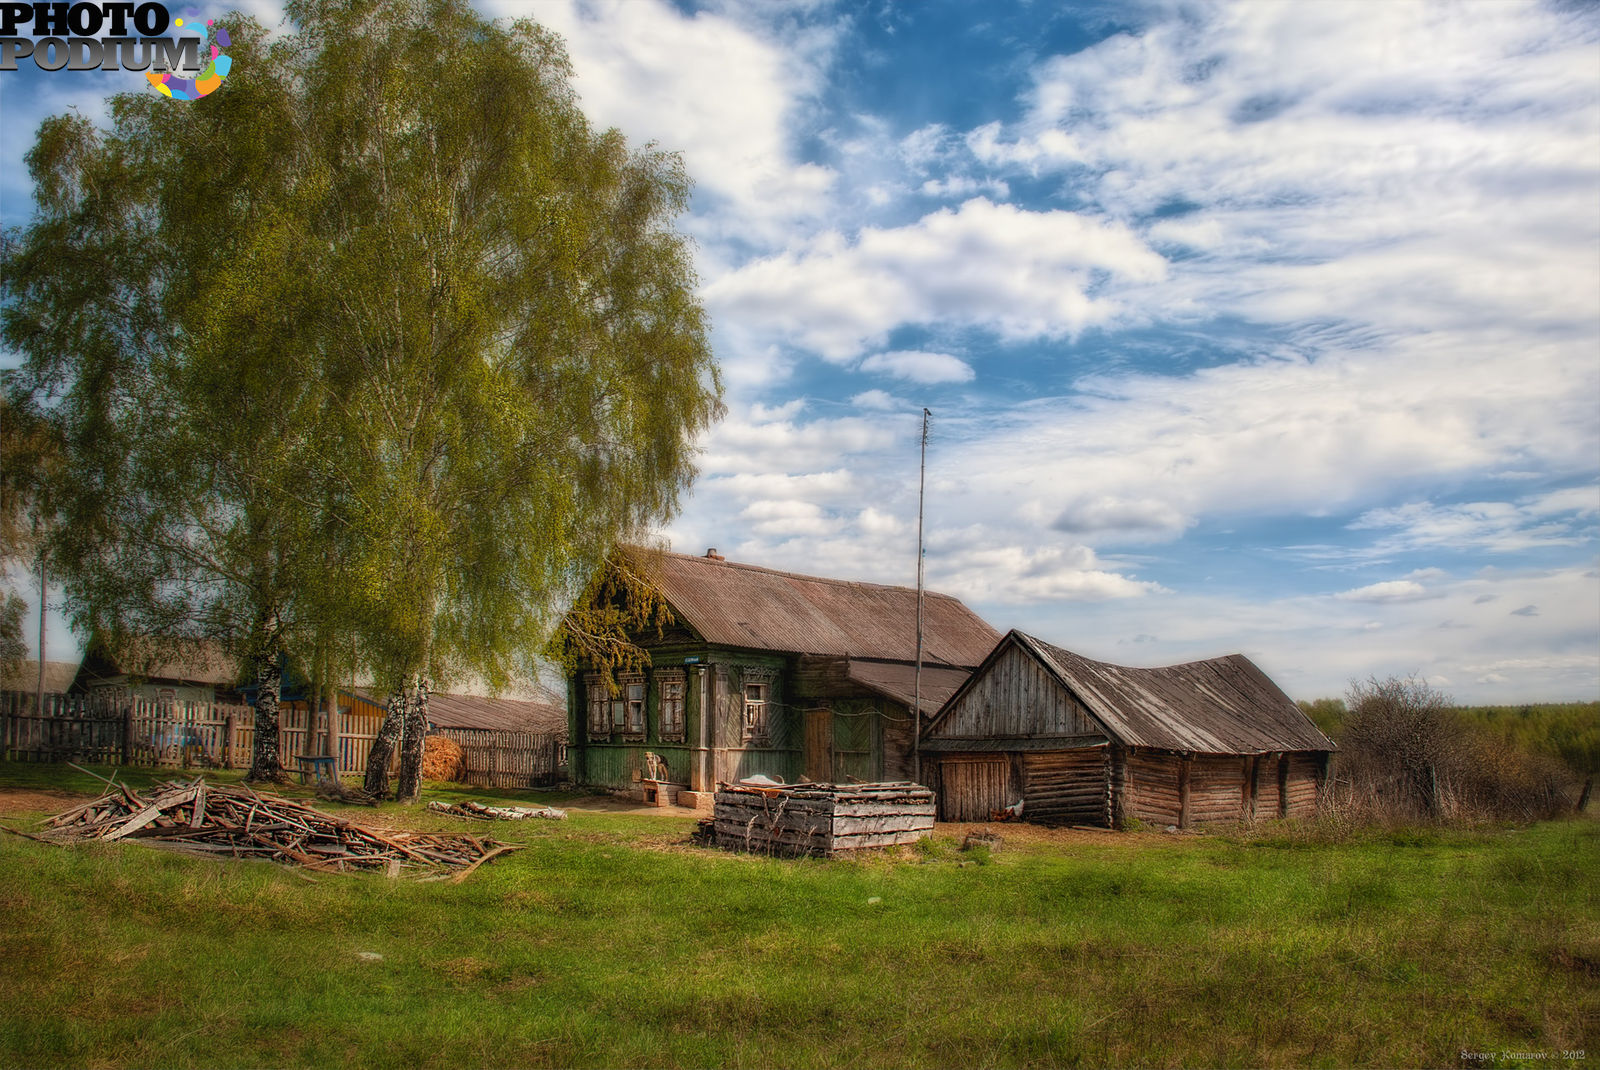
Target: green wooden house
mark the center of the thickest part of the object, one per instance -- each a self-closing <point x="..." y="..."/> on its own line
<point x="767" y="672"/>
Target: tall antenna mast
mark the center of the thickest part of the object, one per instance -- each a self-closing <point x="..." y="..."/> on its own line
<point x="916" y="709"/>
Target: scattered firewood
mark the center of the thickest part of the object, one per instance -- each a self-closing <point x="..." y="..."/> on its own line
<point x="496" y="813"/>
<point x="213" y="820"/>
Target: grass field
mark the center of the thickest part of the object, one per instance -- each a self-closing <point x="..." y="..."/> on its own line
<point x="610" y="941"/>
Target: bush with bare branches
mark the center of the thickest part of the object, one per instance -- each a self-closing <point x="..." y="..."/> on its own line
<point x="1407" y="753"/>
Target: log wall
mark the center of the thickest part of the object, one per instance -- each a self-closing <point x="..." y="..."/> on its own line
<point x="1167" y="789"/>
<point x="1217" y="788"/>
<point x="1071" y="787"/>
<point x="1153" y="779"/>
<point x="1304" y="787"/>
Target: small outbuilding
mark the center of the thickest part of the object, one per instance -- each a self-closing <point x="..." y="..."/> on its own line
<point x="1082" y="742"/>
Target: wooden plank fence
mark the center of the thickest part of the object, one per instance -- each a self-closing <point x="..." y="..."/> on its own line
<point x="119" y="729"/>
<point x="498" y="759"/>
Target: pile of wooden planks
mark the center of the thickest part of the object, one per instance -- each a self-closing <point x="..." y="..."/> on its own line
<point x="826" y="820"/>
<point x="237" y="822"/>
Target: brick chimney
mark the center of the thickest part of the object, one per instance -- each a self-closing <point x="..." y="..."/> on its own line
<point x="712" y="554"/>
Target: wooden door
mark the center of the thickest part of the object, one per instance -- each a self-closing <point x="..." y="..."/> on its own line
<point x="971" y="788"/>
<point x="819" y="746"/>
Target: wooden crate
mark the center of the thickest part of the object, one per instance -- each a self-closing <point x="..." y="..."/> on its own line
<point x="825" y="820"/>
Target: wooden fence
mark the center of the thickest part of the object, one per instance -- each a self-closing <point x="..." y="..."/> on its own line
<point x="498" y="759"/>
<point x="119" y="729"/>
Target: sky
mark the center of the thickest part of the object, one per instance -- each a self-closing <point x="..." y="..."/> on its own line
<point x="1259" y="327"/>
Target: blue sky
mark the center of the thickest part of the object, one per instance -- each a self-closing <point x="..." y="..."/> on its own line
<point x="1258" y="327"/>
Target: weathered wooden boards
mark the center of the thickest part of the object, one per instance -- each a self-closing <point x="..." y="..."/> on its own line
<point x="825" y="820"/>
<point x="216" y="820"/>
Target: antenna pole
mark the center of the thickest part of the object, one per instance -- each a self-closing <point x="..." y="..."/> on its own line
<point x="916" y="709"/>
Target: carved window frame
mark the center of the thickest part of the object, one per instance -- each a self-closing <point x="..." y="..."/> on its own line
<point x="631" y="696"/>
<point x="755" y="690"/>
<point x="596" y="695"/>
<point x="672" y="710"/>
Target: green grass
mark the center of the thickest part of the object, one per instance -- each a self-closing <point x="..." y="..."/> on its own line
<point x="611" y="942"/>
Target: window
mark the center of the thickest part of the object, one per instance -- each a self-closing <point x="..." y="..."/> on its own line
<point x="594" y="687"/>
<point x="757" y="685"/>
<point x="670" y="687"/>
<point x="628" y="711"/>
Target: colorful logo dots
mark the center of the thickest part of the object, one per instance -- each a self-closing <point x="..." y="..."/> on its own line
<point x="217" y="66"/>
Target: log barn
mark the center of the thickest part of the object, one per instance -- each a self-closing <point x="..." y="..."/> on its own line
<point x="1082" y="742"/>
<point x="766" y="672"/>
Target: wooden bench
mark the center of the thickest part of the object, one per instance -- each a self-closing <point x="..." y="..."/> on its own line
<point x="322" y="765"/>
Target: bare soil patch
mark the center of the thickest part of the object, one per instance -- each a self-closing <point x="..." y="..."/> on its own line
<point x="32" y="800"/>
<point x="1020" y="833"/>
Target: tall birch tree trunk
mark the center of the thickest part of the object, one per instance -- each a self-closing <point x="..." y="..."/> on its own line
<point x="412" y="742"/>
<point x="266" y="759"/>
<point x="377" y="782"/>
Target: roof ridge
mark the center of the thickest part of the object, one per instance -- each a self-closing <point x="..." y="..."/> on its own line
<point x="807" y="576"/>
<point x="1132" y="668"/>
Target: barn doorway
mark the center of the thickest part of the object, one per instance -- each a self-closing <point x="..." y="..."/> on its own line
<point x="973" y="787"/>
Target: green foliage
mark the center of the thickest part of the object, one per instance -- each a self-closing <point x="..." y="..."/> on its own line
<point x="1327" y="714"/>
<point x="621" y="604"/>
<point x="1568" y="731"/>
<point x="383" y="349"/>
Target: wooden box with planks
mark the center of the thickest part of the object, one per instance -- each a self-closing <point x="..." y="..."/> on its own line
<point x="824" y="820"/>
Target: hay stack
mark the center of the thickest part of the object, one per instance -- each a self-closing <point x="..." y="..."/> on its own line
<point x="443" y="759"/>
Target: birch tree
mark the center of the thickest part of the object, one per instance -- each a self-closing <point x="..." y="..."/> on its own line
<point x="445" y="327"/>
<point x="512" y="326"/>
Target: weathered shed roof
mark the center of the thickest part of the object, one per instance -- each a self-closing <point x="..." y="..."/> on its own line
<point x="898" y="681"/>
<point x="742" y="605"/>
<point x="1218" y="706"/>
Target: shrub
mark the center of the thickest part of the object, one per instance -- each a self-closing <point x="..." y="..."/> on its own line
<point x="1406" y="752"/>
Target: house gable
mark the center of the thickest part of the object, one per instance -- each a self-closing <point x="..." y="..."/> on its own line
<point x="1013" y="695"/>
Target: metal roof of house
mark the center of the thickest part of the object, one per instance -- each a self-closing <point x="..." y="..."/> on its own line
<point x="58" y="677"/>
<point x="746" y="606"/>
<point x="153" y="658"/>
<point x="897" y="680"/>
<point x="477" y="711"/>
<point x="1219" y="706"/>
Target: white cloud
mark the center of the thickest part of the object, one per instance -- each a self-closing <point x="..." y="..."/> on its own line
<point x="919" y="367"/>
<point x="1388" y="591"/>
<point x="1495" y="527"/>
<point x="1111" y="514"/>
<point x="786" y="517"/>
<point x="989" y="569"/>
<point x="877" y="400"/>
<point x="1326" y="171"/>
<point x="721" y="89"/>
<point x="1018" y="273"/>
<point x="1315" y="646"/>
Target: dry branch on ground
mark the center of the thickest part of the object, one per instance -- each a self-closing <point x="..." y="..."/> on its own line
<point x="237" y="822"/>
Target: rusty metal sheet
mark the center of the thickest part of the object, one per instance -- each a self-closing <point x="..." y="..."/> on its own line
<point x="898" y="681"/>
<point x="742" y="605"/>
<point x="498" y="714"/>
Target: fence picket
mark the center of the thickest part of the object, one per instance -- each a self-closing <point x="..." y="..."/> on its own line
<point x="118" y="728"/>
